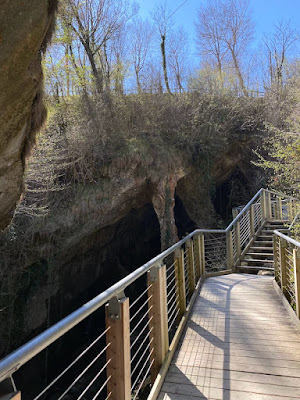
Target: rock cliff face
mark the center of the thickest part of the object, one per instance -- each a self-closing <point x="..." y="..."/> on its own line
<point x="25" y="30"/>
<point x="99" y="231"/>
<point x="111" y="227"/>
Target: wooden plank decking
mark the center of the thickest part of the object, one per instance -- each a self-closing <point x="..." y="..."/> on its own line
<point x="239" y="344"/>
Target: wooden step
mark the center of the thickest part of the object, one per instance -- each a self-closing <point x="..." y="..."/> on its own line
<point x="272" y="230"/>
<point x="278" y="221"/>
<point x="263" y="242"/>
<point x="264" y="237"/>
<point x="260" y="254"/>
<point x="255" y="267"/>
<point x="259" y="248"/>
<point x="256" y="260"/>
<point x="273" y="227"/>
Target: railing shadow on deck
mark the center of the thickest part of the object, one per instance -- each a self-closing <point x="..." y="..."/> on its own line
<point x="142" y="332"/>
<point x="198" y="383"/>
<point x="216" y="341"/>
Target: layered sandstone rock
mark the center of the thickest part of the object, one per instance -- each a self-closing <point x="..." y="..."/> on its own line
<point x="25" y="29"/>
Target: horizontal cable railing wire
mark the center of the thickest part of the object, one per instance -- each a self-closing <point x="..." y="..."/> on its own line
<point x="234" y="244"/>
<point x="277" y="264"/>
<point x="172" y="317"/>
<point x="215" y="252"/>
<point x="258" y="216"/>
<point x="193" y="261"/>
<point x="140" y="338"/>
<point x="95" y="378"/>
<point x="287" y="268"/>
<point x="186" y="275"/>
<point x="245" y="229"/>
<point x="285" y="209"/>
<point x="290" y="276"/>
<point x="172" y="299"/>
<point x="76" y="365"/>
<point x="273" y="208"/>
<point x="169" y="279"/>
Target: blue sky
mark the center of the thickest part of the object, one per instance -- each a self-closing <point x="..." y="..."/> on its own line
<point x="265" y="13"/>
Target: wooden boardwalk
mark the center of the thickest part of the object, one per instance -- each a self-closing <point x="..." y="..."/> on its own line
<point x="239" y="344"/>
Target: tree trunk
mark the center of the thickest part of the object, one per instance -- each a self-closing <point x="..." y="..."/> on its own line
<point x="138" y="83"/>
<point x="119" y="84"/>
<point x="178" y="77"/>
<point x="83" y="86"/>
<point x="97" y="77"/>
<point x="67" y="70"/>
<point x="180" y="87"/>
<point x="164" y="62"/>
<point x="271" y="67"/>
<point x="220" y="72"/>
<point x="239" y="74"/>
<point x="107" y="69"/>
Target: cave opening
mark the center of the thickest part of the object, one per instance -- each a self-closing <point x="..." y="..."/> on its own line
<point x="183" y="222"/>
<point x="234" y="192"/>
<point x="137" y="238"/>
<point x="114" y="253"/>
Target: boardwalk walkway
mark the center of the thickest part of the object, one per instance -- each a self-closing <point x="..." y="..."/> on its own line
<point x="239" y="344"/>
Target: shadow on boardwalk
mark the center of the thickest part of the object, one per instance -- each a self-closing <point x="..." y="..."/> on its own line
<point x="239" y="344"/>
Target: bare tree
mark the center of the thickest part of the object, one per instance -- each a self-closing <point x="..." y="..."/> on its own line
<point x="279" y="46"/>
<point x="163" y="19"/>
<point x="94" y="23"/>
<point x="119" y="49"/>
<point x="209" y="40"/>
<point x="224" y="31"/>
<point x="237" y="33"/>
<point x="141" y="34"/>
<point x="154" y="79"/>
<point x="178" y="56"/>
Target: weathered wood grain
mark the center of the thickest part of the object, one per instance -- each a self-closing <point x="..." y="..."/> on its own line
<point x="239" y="344"/>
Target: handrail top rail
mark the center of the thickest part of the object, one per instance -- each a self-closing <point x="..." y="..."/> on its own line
<point x="19" y="357"/>
<point x="280" y="194"/>
<point x="252" y="201"/>
<point x="243" y="210"/>
<point x="287" y="238"/>
<point x="294" y="221"/>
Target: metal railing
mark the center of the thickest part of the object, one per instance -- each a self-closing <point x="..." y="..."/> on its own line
<point x="294" y="227"/>
<point x="287" y="268"/>
<point x="139" y="329"/>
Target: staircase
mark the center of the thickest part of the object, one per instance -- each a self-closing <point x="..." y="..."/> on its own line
<point x="259" y="256"/>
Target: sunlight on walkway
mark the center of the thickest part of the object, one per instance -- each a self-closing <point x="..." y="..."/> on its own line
<point x="239" y="344"/>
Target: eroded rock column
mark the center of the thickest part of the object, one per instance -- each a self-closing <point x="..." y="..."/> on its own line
<point x="163" y="201"/>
